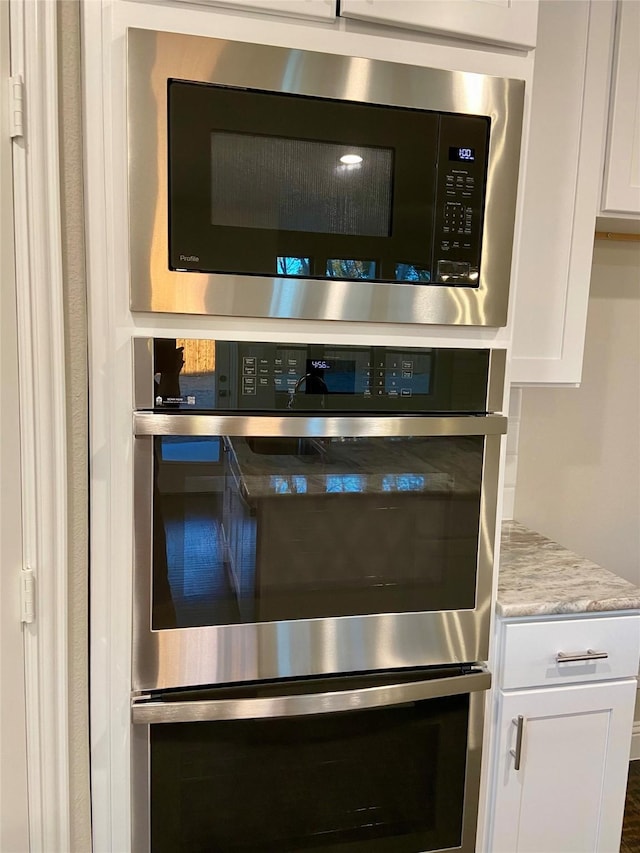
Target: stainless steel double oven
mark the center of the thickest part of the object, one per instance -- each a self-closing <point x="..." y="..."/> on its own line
<point x="314" y="529"/>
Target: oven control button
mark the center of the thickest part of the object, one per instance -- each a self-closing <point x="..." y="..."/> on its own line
<point x="406" y="392"/>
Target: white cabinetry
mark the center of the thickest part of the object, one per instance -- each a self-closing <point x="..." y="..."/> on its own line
<point x="319" y="10"/>
<point x="621" y="191"/>
<point x="561" y="190"/>
<point x="505" y="22"/>
<point x="563" y="733"/>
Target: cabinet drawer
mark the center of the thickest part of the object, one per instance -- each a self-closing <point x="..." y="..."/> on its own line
<point x="530" y="651"/>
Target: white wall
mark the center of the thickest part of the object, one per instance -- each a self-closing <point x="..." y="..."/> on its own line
<point x="578" y="457"/>
<point x="578" y="478"/>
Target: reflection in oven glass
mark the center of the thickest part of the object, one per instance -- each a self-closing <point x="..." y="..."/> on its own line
<point x="271" y="529"/>
<point x="386" y="780"/>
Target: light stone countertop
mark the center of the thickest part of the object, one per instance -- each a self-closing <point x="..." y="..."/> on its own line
<point x="538" y="577"/>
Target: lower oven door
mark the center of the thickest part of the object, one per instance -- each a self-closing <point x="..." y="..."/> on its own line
<point x="385" y="762"/>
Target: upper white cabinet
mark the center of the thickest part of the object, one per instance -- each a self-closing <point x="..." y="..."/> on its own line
<point x="621" y="190"/>
<point x="505" y="22"/>
<point x="319" y="10"/>
<point x="561" y="189"/>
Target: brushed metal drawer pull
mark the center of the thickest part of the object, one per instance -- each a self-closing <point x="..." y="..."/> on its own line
<point x="575" y="657"/>
<point x="519" y="722"/>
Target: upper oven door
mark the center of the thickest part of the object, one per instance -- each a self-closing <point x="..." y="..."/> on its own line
<point x="240" y="204"/>
<point x="274" y="184"/>
<point x="278" y="546"/>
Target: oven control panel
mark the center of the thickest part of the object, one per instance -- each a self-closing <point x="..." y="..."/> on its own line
<point x="209" y="375"/>
<point x="333" y="371"/>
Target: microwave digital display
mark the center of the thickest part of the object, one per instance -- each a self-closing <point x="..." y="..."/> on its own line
<point x="462" y="155"/>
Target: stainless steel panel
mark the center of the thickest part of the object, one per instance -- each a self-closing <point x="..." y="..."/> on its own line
<point x="495" y="384"/>
<point x="150" y="423"/>
<point x="153" y="57"/>
<point x="269" y="650"/>
<point x="143" y="373"/>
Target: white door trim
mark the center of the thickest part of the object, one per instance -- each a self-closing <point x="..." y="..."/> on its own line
<point x="41" y="357"/>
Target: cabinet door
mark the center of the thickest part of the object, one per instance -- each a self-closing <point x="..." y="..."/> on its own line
<point x="507" y="22"/>
<point x="622" y="177"/>
<point x="321" y="10"/>
<point x="568" y="794"/>
<point x="561" y="188"/>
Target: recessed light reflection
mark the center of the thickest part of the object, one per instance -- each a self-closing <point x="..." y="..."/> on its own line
<point x="351" y="159"/>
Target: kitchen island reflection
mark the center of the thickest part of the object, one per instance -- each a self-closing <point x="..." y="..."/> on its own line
<point x="311" y="528"/>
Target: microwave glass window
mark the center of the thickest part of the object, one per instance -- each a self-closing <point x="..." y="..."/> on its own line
<point x="263" y="529"/>
<point x="282" y="184"/>
<point x="343" y="268"/>
<point x="412" y="273"/>
<point x="293" y="266"/>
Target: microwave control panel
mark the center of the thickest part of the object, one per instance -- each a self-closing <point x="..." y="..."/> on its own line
<point x="197" y="375"/>
<point x="462" y="161"/>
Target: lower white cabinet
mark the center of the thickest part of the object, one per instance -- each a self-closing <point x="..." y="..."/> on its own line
<point x="562" y="789"/>
<point x="562" y="733"/>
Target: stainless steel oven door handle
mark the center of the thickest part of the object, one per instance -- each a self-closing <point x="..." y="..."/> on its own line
<point x="304" y="426"/>
<point x="315" y="703"/>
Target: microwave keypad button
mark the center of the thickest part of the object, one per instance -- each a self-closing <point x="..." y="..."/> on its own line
<point x="406" y="392"/>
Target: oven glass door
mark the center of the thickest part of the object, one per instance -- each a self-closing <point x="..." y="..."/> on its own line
<point x="250" y="529"/>
<point x="397" y="775"/>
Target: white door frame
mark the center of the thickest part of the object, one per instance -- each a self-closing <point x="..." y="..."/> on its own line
<point x="43" y="429"/>
<point x="14" y="815"/>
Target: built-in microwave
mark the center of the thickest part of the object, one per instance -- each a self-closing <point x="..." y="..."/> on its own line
<point x="285" y="183"/>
